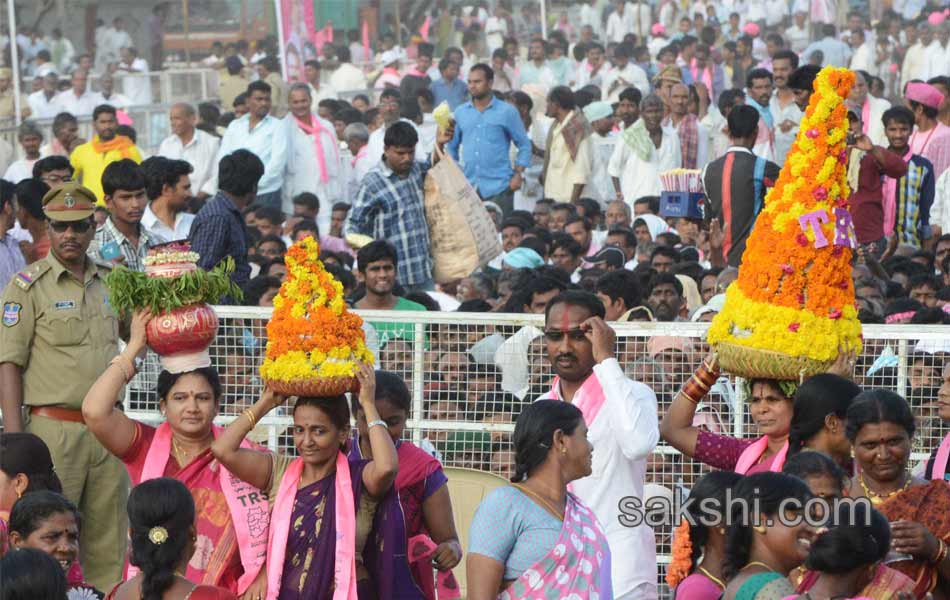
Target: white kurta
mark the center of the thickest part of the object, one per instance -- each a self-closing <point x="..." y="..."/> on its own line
<point x="136" y="84"/>
<point x="623" y="434"/>
<point x="638" y="177"/>
<point x="303" y="170"/>
<point x="599" y="186"/>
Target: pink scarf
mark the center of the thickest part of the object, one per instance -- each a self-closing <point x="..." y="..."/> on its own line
<point x="246" y="504"/>
<point x="866" y="116"/>
<point x="359" y="155"/>
<point x="577" y="567"/>
<point x="940" y="461"/>
<point x="589" y="398"/>
<point x="889" y="198"/>
<point x="751" y="455"/>
<point x="344" y="568"/>
<point x="314" y="129"/>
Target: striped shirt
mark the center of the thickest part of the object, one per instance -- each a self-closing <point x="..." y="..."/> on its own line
<point x="132" y="255"/>
<point x="389" y="207"/>
<point x="914" y="197"/>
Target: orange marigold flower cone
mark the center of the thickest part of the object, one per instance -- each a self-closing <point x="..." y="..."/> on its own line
<point x="792" y="308"/>
<point x="315" y="343"/>
<point x="681" y="562"/>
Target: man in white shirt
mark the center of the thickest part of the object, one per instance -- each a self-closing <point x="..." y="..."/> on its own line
<point x="938" y="53"/>
<point x="196" y="147"/>
<point x="43" y="102"/>
<point x="862" y="57"/>
<point x="619" y="23"/>
<point x="621" y="417"/>
<point x="109" y="96"/>
<point x="311" y="70"/>
<point x="915" y="63"/>
<point x="346" y="77"/>
<point x="77" y="100"/>
<point x="870" y="109"/>
<point x="645" y="150"/>
<point x="389" y="108"/>
<point x="168" y="186"/>
<point x="600" y="116"/>
<point x="313" y="161"/>
<point x="624" y="74"/>
<point x="591" y="16"/>
<point x="797" y="35"/>
<point x="782" y="105"/>
<point x="356" y="136"/>
<point x="136" y="83"/>
<point x="595" y="70"/>
<point x="120" y="39"/>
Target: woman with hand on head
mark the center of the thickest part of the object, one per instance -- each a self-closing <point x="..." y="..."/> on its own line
<point x="881" y="429"/>
<point x="322" y="504"/>
<point x="534" y="534"/>
<point x="49" y="522"/>
<point x="163" y="541"/>
<point x="232" y="516"/>
<point x="415" y="521"/>
<point x="763" y="547"/>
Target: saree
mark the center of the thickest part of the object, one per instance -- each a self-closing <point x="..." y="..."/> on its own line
<point x="401" y="549"/>
<point x="232" y="516"/>
<point x="765" y="586"/>
<point x="887" y="583"/>
<point x="311" y="552"/>
<point x="577" y="567"/>
<point x="928" y="505"/>
<point x="750" y="456"/>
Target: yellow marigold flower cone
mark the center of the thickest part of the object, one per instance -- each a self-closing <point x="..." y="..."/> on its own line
<point x="792" y="307"/>
<point x="314" y="342"/>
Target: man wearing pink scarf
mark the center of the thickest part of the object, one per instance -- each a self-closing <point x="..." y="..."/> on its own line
<point x="314" y="163"/>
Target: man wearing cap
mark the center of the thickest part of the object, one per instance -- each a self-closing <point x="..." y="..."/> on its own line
<point x="600" y="115"/>
<point x="58" y="334"/>
<point x="931" y="138"/>
<point x="389" y="77"/>
<point x="609" y="258"/>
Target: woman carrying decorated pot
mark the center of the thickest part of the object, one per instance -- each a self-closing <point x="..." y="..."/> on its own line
<point x="232" y="516"/>
<point x="323" y="504"/>
<point x="415" y="521"/>
<point x="774" y="406"/>
<point x="881" y="428"/>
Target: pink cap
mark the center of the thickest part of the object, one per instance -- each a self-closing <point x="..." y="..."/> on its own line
<point x="751" y="29"/>
<point x="658" y="29"/>
<point x="924" y="93"/>
<point x="936" y="18"/>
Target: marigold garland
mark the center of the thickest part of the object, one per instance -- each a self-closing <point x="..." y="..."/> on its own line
<point x="791" y="297"/>
<point x="311" y="334"/>
<point x="681" y="562"/>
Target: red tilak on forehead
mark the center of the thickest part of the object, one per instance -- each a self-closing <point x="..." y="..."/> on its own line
<point x="565" y="320"/>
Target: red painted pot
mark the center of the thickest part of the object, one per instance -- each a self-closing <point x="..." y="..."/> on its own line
<point x="186" y="330"/>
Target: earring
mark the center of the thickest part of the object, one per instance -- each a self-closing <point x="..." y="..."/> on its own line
<point x="759" y="529"/>
<point x="722" y="530"/>
<point x="18" y="494"/>
<point x="563" y="450"/>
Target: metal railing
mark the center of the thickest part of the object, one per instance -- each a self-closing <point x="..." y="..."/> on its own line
<point x="471" y="374"/>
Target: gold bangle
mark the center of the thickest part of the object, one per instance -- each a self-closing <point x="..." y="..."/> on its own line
<point x="250" y="417"/>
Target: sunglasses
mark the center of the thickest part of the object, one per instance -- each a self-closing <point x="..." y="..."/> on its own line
<point x="77" y="226"/>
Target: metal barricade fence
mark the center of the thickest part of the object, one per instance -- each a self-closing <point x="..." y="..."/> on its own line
<point x="471" y="374"/>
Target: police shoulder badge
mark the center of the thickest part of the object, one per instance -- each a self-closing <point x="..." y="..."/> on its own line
<point x="11" y="313"/>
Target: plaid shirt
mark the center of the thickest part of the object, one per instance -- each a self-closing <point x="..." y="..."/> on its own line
<point x="915" y="195"/>
<point x="108" y="234"/>
<point x="218" y="231"/>
<point x="389" y="207"/>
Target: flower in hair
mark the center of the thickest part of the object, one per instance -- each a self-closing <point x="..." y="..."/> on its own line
<point x="681" y="563"/>
<point x="158" y="535"/>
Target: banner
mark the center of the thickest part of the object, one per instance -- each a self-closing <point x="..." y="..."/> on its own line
<point x="298" y="37"/>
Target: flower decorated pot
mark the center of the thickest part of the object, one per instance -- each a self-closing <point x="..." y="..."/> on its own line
<point x="183" y="333"/>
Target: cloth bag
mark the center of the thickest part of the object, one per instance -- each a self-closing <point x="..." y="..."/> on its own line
<point x="462" y="235"/>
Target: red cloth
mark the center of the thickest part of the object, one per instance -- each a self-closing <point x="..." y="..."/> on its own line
<point x="867" y="202"/>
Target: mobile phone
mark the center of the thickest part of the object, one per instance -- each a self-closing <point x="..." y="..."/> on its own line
<point x="850" y="139"/>
<point x="110" y="251"/>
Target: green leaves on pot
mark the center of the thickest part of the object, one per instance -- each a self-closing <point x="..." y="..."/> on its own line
<point x="131" y="290"/>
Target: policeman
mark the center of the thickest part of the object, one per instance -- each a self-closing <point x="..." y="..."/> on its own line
<point x="58" y="334"/>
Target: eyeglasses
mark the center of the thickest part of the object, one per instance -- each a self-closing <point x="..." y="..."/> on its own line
<point x="77" y="226"/>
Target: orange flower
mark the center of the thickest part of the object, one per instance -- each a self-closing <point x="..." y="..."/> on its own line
<point x="681" y="562"/>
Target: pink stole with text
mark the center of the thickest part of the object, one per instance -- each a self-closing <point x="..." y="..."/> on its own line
<point x="940" y="461"/>
<point x="314" y="129"/>
<point x="246" y="504"/>
<point x="344" y="568"/>
<point x="750" y="456"/>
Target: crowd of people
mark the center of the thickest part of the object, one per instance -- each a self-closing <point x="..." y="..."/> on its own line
<point x="571" y="142"/>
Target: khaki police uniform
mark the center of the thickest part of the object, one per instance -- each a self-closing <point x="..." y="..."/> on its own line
<point x="63" y="333"/>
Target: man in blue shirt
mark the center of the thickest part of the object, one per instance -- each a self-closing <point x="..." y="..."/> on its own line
<point x="265" y="136"/>
<point x="449" y="88"/>
<point x="485" y="127"/>
<point x="834" y="52"/>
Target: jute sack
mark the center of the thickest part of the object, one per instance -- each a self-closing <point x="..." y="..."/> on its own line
<point x="461" y="233"/>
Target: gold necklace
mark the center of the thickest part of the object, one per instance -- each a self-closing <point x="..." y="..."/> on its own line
<point x="547" y="505"/>
<point x="879" y="499"/>
<point x="712" y="577"/>
<point x="179" y="454"/>
<point x="757" y="563"/>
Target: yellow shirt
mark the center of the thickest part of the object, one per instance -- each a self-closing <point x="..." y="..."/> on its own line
<point x="89" y="165"/>
<point x="563" y="172"/>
